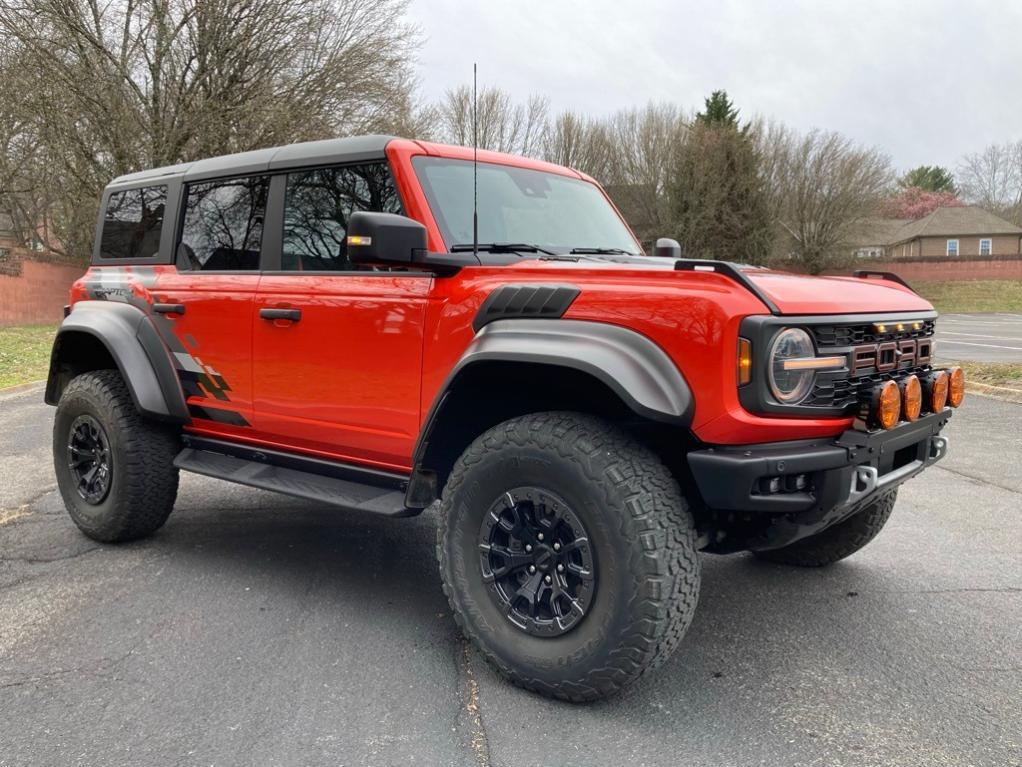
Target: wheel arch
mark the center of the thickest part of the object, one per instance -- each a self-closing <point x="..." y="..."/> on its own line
<point x="518" y="366"/>
<point x="105" y="334"/>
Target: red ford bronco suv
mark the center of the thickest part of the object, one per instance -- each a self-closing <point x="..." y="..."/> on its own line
<point x="324" y="320"/>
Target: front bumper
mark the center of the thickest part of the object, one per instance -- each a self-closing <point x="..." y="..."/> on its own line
<point x="819" y="482"/>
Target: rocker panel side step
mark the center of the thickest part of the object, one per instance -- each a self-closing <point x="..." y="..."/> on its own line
<point x="355" y="496"/>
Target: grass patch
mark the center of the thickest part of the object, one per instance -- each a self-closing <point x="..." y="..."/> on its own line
<point x="1007" y="374"/>
<point x="973" y="295"/>
<point x="25" y="353"/>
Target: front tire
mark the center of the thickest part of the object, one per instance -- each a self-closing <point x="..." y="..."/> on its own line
<point x="115" y="470"/>
<point x="838" y="541"/>
<point x="533" y="506"/>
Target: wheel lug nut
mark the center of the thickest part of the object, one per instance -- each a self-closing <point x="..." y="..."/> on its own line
<point x="528" y="548"/>
<point x="547" y="578"/>
<point x="532" y="568"/>
<point x="557" y="547"/>
<point x="560" y="568"/>
<point x="539" y="536"/>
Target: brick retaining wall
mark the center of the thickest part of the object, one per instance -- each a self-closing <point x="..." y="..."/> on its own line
<point x="944" y="269"/>
<point x="37" y="295"/>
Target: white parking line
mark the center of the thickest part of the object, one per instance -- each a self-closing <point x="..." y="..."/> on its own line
<point x="977" y="335"/>
<point x="956" y="323"/>
<point x="946" y="341"/>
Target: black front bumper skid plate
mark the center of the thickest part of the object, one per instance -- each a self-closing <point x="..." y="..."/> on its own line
<point x="842" y="472"/>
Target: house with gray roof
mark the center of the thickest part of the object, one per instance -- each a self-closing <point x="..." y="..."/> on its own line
<point x="953" y="232"/>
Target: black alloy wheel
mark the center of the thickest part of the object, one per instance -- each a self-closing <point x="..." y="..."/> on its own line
<point x="88" y="458"/>
<point x="537" y="562"/>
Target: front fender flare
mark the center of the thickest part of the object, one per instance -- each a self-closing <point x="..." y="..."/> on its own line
<point x="630" y="364"/>
<point x="135" y="346"/>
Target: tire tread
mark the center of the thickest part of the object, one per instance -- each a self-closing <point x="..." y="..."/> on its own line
<point x="652" y="516"/>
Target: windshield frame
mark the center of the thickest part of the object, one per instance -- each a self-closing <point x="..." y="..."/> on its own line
<point x="450" y="240"/>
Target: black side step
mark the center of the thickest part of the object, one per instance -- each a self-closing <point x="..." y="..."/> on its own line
<point x="356" y="496"/>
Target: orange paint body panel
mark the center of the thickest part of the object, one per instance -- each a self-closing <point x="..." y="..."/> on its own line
<point x="345" y="379"/>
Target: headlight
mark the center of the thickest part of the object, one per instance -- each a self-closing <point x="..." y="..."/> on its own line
<point x="790" y="383"/>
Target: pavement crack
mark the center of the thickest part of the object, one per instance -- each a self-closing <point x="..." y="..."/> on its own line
<point x="981" y="480"/>
<point x="9" y="515"/>
<point x="469" y="693"/>
<point x="35" y="560"/>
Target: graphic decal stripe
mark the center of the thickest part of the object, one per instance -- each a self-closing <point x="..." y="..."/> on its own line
<point x="197" y="379"/>
<point x="231" y="417"/>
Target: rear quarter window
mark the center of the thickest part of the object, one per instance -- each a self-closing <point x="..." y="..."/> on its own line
<point x="133" y="223"/>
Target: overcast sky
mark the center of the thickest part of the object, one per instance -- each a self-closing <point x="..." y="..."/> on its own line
<point x="925" y="81"/>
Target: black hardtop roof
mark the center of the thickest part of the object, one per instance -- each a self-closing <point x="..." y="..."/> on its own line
<point x="327" y="152"/>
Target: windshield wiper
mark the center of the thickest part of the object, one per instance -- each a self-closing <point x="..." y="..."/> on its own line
<point x="603" y="251"/>
<point x="500" y="247"/>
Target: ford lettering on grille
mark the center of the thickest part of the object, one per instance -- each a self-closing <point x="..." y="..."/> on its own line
<point x="891" y="355"/>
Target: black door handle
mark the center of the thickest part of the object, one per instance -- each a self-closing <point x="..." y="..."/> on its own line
<point x="169" y="308"/>
<point x="281" y="314"/>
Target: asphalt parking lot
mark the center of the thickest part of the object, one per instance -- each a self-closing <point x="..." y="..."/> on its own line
<point x="260" y="630"/>
<point x="982" y="337"/>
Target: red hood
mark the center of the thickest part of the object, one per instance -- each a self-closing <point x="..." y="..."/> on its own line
<point x="798" y="294"/>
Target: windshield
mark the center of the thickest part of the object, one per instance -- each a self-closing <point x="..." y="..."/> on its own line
<point x="545" y="210"/>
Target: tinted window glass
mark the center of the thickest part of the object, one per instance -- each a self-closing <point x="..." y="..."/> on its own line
<point x="133" y="222"/>
<point x="317" y="206"/>
<point x="223" y="224"/>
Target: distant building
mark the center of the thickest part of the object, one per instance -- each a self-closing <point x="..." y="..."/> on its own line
<point x="953" y="232"/>
<point x="872" y="236"/>
<point x="945" y="233"/>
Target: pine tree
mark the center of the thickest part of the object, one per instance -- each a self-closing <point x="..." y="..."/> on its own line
<point x="716" y="197"/>
<point x="719" y="110"/>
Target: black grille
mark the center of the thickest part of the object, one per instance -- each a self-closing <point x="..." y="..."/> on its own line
<point x="853" y="335"/>
<point x="845" y="392"/>
<point x="839" y="390"/>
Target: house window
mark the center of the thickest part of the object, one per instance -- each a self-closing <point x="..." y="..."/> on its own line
<point x="986" y="247"/>
<point x="952" y="247"/>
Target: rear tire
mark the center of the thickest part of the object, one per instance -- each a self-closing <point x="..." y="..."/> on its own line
<point x="602" y="486"/>
<point x="133" y="482"/>
<point x="839" y="541"/>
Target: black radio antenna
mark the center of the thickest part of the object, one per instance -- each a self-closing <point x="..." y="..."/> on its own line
<point x="475" y="162"/>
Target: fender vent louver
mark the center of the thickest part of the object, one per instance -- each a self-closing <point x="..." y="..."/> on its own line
<point x="524" y="302"/>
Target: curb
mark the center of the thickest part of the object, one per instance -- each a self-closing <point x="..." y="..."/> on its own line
<point x="1002" y="393"/>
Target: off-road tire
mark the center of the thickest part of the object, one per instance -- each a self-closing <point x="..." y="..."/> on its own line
<point x="641" y="533"/>
<point x="143" y="477"/>
<point x="837" y="542"/>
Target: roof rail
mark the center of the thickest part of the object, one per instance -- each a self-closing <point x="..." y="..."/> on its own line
<point x="865" y="274"/>
<point x="727" y="269"/>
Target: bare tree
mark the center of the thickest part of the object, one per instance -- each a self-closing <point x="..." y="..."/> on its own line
<point x="113" y="86"/>
<point x="822" y="185"/>
<point x="646" y="141"/>
<point x="582" y="143"/>
<point x="503" y="125"/>
<point x="993" y="179"/>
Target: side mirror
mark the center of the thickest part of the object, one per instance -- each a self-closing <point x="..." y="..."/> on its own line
<point x="385" y="238"/>
<point x="667" y="248"/>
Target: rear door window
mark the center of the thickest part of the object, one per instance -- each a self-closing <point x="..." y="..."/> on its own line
<point x="223" y="224"/>
<point x="133" y="223"/>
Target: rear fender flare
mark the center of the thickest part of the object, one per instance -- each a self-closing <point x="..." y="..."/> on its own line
<point x="133" y="342"/>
